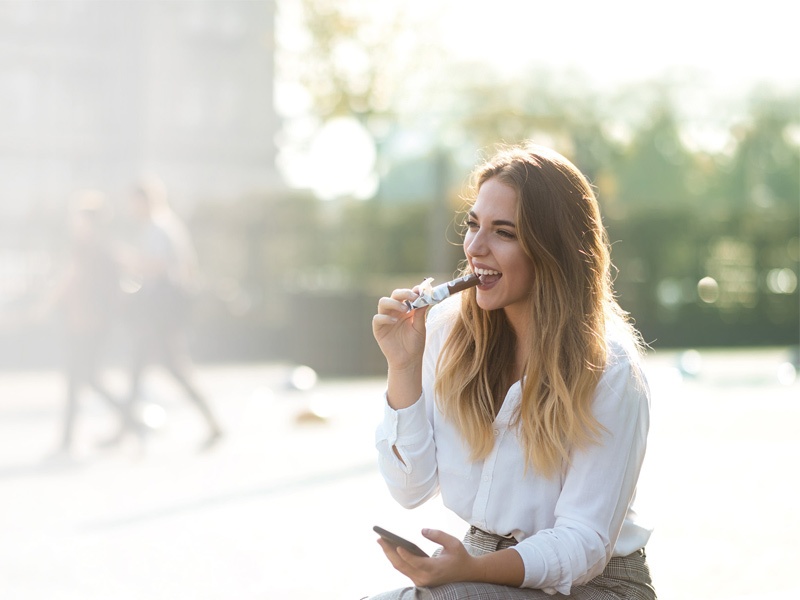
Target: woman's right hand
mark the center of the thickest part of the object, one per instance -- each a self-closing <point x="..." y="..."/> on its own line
<point x="400" y="333"/>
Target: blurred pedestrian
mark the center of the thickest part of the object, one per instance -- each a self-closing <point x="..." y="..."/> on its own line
<point x="86" y="299"/>
<point x="521" y="401"/>
<point x="164" y="264"/>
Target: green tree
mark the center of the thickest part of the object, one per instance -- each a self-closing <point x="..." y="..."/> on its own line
<point x="653" y="172"/>
<point x="764" y="172"/>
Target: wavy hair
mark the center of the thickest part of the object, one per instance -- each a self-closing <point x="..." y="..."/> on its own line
<point x="571" y="305"/>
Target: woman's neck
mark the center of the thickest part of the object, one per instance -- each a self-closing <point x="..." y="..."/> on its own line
<point x="519" y="321"/>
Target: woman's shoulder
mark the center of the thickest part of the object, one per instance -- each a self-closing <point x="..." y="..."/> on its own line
<point x="624" y="358"/>
<point x="623" y="344"/>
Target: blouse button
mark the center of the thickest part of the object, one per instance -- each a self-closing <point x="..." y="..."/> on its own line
<point x="497" y="432"/>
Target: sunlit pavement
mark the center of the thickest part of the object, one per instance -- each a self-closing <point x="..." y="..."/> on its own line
<point x="283" y="506"/>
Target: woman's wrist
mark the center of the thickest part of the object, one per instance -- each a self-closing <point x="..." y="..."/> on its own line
<point x="404" y="386"/>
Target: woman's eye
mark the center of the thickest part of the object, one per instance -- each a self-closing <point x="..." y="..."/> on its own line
<point x="506" y="234"/>
<point x="470" y="224"/>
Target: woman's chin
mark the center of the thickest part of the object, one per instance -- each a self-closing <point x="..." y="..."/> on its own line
<point x="486" y="303"/>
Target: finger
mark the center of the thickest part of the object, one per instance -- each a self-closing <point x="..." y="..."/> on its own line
<point x="413" y="560"/>
<point x="404" y="294"/>
<point x="440" y="537"/>
<point x="392" y="306"/>
<point x="419" y="313"/>
<point x="397" y="561"/>
<point x="379" y="321"/>
<point x="420" y="570"/>
<point x="419" y="318"/>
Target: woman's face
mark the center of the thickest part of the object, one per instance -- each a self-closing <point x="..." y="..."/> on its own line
<point x="493" y="250"/>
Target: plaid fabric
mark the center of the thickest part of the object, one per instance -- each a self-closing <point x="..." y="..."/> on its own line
<point x="479" y="542"/>
<point x="624" y="578"/>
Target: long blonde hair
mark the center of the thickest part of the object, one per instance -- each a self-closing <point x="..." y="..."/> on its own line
<point x="560" y="229"/>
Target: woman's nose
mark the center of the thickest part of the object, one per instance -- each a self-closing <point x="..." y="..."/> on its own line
<point x="474" y="244"/>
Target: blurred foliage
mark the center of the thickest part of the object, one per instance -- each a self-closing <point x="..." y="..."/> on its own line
<point x="675" y="216"/>
<point x="352" y="57"/>
<point x="691" y="190"/>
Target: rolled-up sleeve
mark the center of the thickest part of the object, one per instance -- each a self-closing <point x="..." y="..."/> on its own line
<point x="598" y="487"/>
<point x="412" y="480"/>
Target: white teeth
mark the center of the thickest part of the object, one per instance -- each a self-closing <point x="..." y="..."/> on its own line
<point x="486" y="272"/>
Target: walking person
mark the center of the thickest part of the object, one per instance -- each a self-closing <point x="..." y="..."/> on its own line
<point x="521" y="401"/>
<point x="87" y="302"/>
<point x="164" y="264"/>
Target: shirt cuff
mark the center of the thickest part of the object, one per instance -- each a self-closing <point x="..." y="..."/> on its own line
<point x="405" y="426"/>
<point x="545" y="569"/>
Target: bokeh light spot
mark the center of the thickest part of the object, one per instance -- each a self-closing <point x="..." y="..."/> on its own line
<point x="708" y="290"/>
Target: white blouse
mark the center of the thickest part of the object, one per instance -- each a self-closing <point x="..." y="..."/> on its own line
<point x="568" y="527"/>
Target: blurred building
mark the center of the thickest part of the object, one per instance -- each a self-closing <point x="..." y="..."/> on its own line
<point x="93" y="93"/>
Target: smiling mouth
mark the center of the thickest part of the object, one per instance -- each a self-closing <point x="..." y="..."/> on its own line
<point x="488" y="276"/>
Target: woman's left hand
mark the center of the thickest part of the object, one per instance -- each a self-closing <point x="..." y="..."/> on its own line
<point x="452" y="564"/>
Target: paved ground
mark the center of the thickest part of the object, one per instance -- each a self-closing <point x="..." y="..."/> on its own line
<point x="283" y="507"/>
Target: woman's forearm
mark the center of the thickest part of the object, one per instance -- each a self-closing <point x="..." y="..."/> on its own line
<point x="504" y="567"/>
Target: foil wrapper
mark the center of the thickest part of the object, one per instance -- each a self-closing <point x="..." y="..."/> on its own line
<point x="428" y="295"/>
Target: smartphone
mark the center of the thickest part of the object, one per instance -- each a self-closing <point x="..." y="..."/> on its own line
<point x="399" y="542"/>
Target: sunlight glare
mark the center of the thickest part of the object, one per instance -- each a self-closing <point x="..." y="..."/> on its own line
<point x="342" y="160"/>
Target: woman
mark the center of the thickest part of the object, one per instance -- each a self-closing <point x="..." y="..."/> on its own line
<point x="521" y="401"/>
